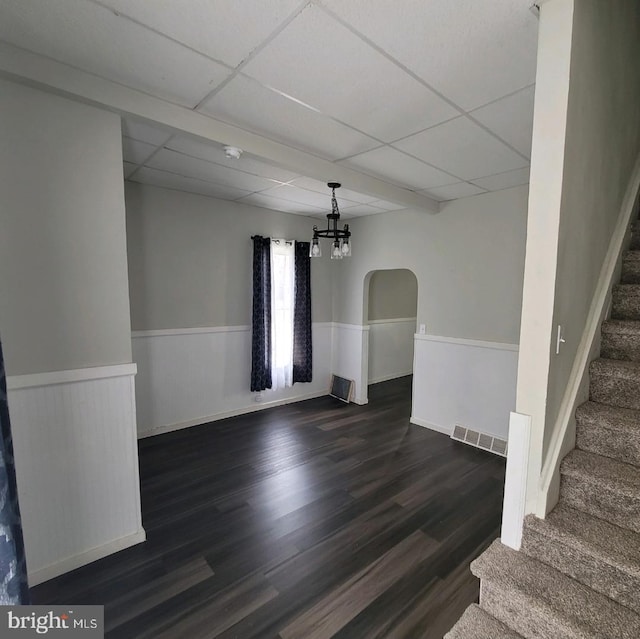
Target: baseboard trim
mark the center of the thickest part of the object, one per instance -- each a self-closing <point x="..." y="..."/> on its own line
<point x="425" y="424"/>
<point x="71" y="563"/>
<point x="386" y="378"/>
<point x="198" y="421"/>
<point x="16" y="382"/>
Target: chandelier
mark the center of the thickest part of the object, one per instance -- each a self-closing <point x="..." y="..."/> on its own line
<point x="341" y="246"/>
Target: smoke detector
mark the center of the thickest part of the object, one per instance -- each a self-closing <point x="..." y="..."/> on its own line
<point x="232" y="152"/>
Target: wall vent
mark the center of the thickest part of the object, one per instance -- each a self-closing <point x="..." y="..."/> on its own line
<point x="480" y="440"/>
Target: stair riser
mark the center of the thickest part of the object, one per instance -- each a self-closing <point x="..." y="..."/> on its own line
<point x="630" y="272"/>
<point x="624" y="447"/>
<point x="590" y="571"/>
<point x="600" y="501"/>
<point x="620" y="346"/>
<point x="614" y="390"/>
<point x="635" y="241"/>
<point x="514" y="609"/>
<point x="626" y="305"/>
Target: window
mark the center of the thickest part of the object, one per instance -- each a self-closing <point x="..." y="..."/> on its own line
<point x="282" y="309"/>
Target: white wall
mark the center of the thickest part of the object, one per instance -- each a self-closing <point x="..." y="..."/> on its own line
<point x="64" y="317"/>
<point x="390" y="348"/>
<point x="190" y="262"/>
<point x="585" y="143"/>
<point x="392" y="293"/>
<point x="467" y="289"/>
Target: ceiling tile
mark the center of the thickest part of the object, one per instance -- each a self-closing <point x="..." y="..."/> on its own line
<point x="463" y="148"/>
<point x="317" y="60"/>
<point x="93" y="38"/>
<point x="137" y="152"/>
<point x="454" y="191"/>
<point x="360" y="209"/>
<point x="278" y="204"/>
<point x="128" y="168"/>
<point x="321" y="201"/>
<point x="167" y="180"/>
<point x="213" y="152"/>
<point x="394" y="166"/>
<point x="223" y="29"/>
<point x="504" y="180"/>
<point x="472" y="52"/>
<point x="175" y="162"/>
<point x="388" y="206"/>
<point x="245" y="103"/>
<point x="144" y="132"/>
<point x="511" y="118"/>
<point x="321" y="187"/>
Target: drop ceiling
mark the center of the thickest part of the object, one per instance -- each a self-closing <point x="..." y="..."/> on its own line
<point x="433" y="96"/>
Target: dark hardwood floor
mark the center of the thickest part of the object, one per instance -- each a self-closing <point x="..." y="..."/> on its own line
<point x="312" y="520"/>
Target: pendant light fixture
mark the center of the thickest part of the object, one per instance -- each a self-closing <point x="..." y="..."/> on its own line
<point x="341" y="238"/>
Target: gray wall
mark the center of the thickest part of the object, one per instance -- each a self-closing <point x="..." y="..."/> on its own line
<point x="468" y="260"/>
<point x="64" y="300"/>
<point x="393" y="294"/>
<point x="190" y="258"/>
<point x="601" y="146"/>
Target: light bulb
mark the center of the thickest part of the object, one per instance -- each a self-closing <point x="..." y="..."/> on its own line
<point x="315" y="250"/>
<point x="346" y="248"/>
<point x="336" y="253"/>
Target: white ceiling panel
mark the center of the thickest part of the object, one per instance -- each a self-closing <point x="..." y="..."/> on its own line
<point x="321" y="201"/>
<point x="454" y="191"/>
<point x="93" y="38"/>
<point x="359" y="210"/>
<point x="394" y="166"/>
<point x="504" y="180"/>
<point x="278" y="204"/>
<point x="317" y="60"/>
<point x="463" y="148"/>
<point x="128" y="168"/>
<point x="245" y="103"/>
<point x="167" y="180"/>
<point x="175" y="162"/>
<point x="143" y="132"/>
<point x="472" y="52"/>
<point x="511" y="118"/>
<point x="222" y="29"/>
<point x="387" y="206"/>
<point x="321" y="187"/>
<point x="136" y="152"/>
<point x="215" y="153"/>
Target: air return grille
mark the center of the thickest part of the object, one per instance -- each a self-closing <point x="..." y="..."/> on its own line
<point x="480" y="440"/>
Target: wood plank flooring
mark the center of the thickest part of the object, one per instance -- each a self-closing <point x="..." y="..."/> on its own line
<point x="315" y="520"/>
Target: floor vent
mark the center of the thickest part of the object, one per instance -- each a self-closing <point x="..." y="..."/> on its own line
<point x="480" y="440"/>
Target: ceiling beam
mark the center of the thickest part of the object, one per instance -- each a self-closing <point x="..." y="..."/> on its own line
<point x="23" y="66"/>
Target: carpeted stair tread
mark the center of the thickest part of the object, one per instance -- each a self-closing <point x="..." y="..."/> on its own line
<point x="609" y="431"/>
<point x="622" y="327"/>
<point x="595" y="552"/>
<point x="631" y="267"/>
<point x="602" y="487"/>
<point x="626" y="301"/>
<point x="595" y="469"/>
<point x="615" y="382"/>
<point x="476" y="623"/>
<point x="538" y="601"/>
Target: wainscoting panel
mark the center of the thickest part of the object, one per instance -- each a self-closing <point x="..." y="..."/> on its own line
<point x="193" y="376"/>
<point x="390" y="348"/>
<point x="350" y="356"/>
<point x="76" y="465"/>
<point x="467" y="382"/>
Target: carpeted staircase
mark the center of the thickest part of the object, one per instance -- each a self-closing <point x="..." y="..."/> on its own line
<point x="577" y="575"/>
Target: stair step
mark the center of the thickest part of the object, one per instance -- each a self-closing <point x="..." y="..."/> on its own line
<point x="609" y="431"/>
<point x="621" y="340"/>
<point x="626" y="302"/>
<point x="476" y="623"/>
<point x="635" y="237"/>
<point x="601" y="487"/>
<point x="631" y="267"/>
<point x="596" y="553"/>
<point x="540" y="602"/>
<point x="615" y="382"/>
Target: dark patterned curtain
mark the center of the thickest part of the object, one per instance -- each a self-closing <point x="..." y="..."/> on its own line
<point x="261" y="317"/>
<point x="302" y="348"/>
<point x="14" y="589"/>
